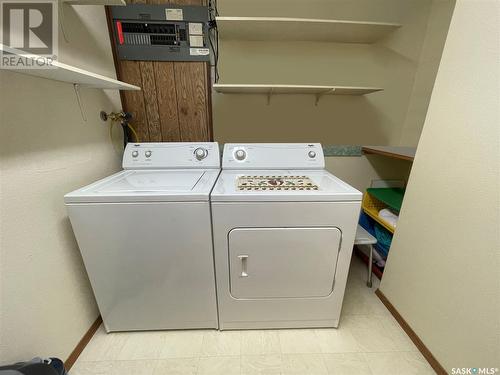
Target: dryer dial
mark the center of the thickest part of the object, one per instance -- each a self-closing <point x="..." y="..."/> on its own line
<point x="240" y="155"/>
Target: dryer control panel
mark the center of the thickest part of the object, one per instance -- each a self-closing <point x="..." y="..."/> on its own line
<point x="273" y="156"/>
<point x="171" y="155"/>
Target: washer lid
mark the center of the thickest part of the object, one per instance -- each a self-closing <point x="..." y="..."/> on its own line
<point x="282" y="185"/>
<point x="148" y="185"/>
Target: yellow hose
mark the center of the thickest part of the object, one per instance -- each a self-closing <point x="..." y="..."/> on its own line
<point x="134" y="132"/>
<point x="111" y="131"/>
<point x="136" y="137"/>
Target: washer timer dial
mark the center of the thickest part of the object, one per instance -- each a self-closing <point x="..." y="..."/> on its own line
<point x="200" y="153"/>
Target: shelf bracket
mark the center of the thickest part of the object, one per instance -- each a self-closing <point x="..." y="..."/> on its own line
<point x="320" y="94"/>
<point x="269" y="94"/>
<point x="76" y="87"/>
<point x="62" y="20"/>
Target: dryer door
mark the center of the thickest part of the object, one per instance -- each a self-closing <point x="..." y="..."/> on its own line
<point x="283" y="262"/>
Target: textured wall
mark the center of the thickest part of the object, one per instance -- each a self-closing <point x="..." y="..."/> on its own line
<point x="47" y="150"/>
<point x="428" y="64"/>
<point x="376" y="118"/>
<point x="443" y="273"/>
<point x="360" y="171"/>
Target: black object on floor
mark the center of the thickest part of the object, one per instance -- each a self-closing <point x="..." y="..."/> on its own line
<point x="37" y="366"/>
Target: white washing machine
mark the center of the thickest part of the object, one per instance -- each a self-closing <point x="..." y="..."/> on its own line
<point x="146" y="240"/>
<point x="283" y="229"/>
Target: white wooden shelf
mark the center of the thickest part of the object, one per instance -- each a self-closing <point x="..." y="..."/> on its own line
<point x="71" y="74"/>
<point x="292" y="89"/>
<point x="396" y="152"/>
<point x="94" y="2"/>
<point x="302" y="29"/>
<point x="62" y="17"/>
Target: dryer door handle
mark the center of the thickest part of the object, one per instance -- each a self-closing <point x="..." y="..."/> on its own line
<point x="243" y="259"/>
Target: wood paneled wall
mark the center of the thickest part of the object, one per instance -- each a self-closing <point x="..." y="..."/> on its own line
<point x="175" y="101"/>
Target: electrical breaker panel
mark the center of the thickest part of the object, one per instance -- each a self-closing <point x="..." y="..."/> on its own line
<point x="161" y="32"/>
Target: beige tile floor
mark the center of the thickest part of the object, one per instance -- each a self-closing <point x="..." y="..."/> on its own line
<point x="368" y="341"/>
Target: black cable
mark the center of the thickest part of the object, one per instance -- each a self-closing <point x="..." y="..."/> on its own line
<point x="125" y="134"/>
<point x="126" y="131"/>
<point x="217" y="54"/>
<point x="213" y="36"/>
<point x="215" y="58"/>
<point x="217" y="44"/>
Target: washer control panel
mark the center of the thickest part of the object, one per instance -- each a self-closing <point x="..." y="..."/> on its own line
<point x="200" y="153"/>
<point x="171" y="155"/>
<point x="273" y="156"/>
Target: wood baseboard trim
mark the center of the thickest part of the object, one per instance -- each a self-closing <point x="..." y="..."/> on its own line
<point x="411" y="334"/>
<point x="406" y="327"/>
<point x="82" y="344"/>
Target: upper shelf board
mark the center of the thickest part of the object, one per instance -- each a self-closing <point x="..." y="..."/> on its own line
<point x="302" y="29"/>
<point x="293" y="89"/>
<point x="396" y="152"/>
<point x="95" y="2"/>
<point x="67" y="73"/>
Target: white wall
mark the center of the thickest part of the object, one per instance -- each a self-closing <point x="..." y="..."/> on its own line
<point x="428" y="64"/>
<point x="360" y="171"/>
<point x="404" y="64"/>
<point x="376" y="118"/>
<point x="443" y="274"/>
<point x="47" y="150"/>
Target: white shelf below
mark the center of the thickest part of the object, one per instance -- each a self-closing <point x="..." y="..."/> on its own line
<point x="302" y="29"/>
<point x="95" y="2"/>
<point x="71" y="74"/>
<point x="292" y="89"/>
